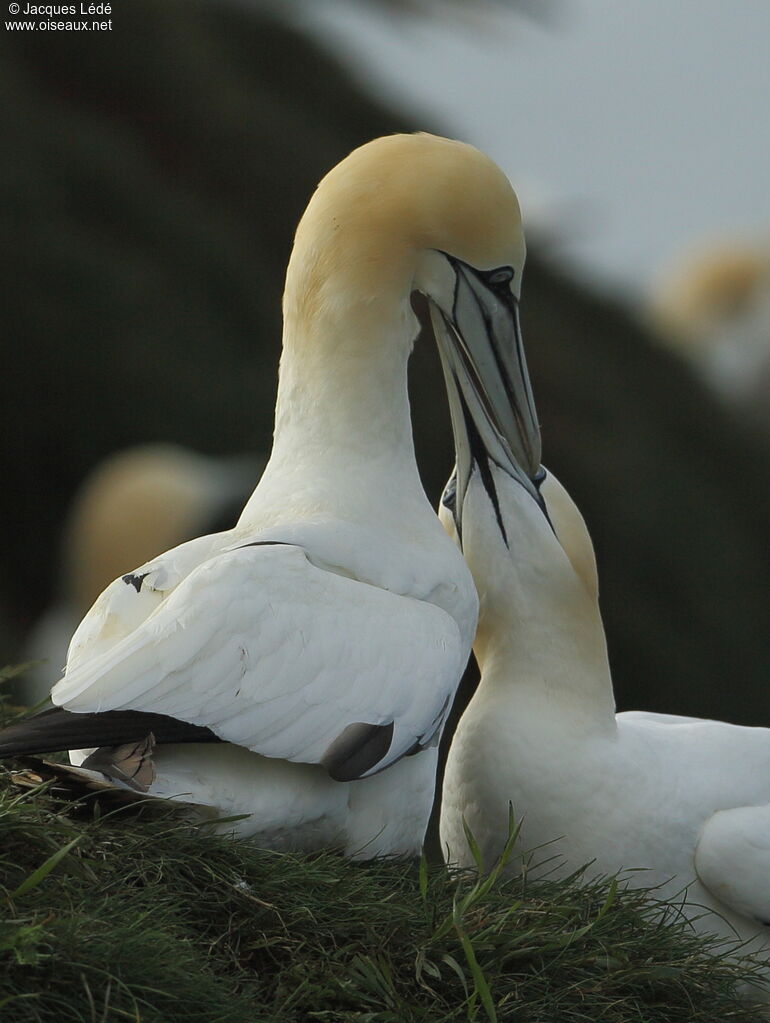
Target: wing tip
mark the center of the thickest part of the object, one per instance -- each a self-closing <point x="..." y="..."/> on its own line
<point x="357" y="750"/>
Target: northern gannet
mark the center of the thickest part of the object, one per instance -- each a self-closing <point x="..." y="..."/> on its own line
<point x="713" y="308"/>
<point x="323" y="637"/>
<point x="685" y="801"/>
<point x="136" y="504"/>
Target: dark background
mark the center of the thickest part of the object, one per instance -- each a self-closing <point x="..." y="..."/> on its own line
<point x="150" y="182"/>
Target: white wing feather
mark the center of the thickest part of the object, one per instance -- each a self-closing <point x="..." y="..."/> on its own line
<point x="273" y="653"/>
<point x="732" y="859"/>
<point x="123" y="606"/>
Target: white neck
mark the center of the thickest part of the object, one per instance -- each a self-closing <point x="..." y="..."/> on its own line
<point x="540" y="636"/>
<point x="343" y="434"/>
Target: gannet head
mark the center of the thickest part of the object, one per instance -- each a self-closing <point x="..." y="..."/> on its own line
<point x="521" y="534"/>
<point x="524" y="554"/>
<point x="388" y="202"/>
<point x="707" y="289"/>
<point x="140" y="502"/>
<point x="534" y="567"/>
<point x="714" y="307"/>
<point x="419" y="213"/>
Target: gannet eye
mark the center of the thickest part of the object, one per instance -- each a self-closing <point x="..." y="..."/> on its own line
<point x="501" y="277"/>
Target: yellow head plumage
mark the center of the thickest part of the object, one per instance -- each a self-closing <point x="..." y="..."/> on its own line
<point x="389" y="201"/>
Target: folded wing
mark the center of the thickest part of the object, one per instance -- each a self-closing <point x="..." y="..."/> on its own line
<point x="286" y="658"/>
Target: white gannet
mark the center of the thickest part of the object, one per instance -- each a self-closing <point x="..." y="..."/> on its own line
<point x="713" y="308"/>
<point x="323" y="637"/>
<point x="136" y="504"/>
<point x="685" y="800"/>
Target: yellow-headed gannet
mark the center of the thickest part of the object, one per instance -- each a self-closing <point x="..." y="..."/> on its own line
<point x="713" y="308"/>
<point x="133" y="506"/>
<point x="686" y="800"/>
<point x="323" y="637"/>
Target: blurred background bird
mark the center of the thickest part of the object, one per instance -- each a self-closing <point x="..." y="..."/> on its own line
<point x="713" y="308"/>
<point x="150" y="183"/>
<point x="135" y="505"/>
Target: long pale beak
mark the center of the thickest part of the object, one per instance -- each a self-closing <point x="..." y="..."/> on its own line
<point x="490" y="395"/>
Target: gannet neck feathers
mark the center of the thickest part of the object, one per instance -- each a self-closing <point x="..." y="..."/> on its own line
<point x="342" y="412"/>
<point x="540" y="628"/>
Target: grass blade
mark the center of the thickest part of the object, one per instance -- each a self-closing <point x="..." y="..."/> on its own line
<point x="43" y="870"/>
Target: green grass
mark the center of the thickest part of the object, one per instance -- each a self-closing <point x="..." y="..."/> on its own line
<point x="131" y="914"/>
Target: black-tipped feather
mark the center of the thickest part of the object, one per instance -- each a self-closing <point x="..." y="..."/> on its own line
<point x="59" y="729"/>
<point x="357" y="749"/>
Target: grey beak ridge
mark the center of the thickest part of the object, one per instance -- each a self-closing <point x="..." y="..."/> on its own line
<point x="490" y="395"/>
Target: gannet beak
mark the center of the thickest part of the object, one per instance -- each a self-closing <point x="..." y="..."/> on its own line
<point x="490" y="396"/>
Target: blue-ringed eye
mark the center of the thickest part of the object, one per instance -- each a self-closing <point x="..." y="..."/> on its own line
<point x="501" y="277"/>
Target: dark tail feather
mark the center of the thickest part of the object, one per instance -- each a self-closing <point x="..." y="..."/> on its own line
<point x="59" y="729"/>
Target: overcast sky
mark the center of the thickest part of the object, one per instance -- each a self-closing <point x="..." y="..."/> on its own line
<point x="644" y="125"/>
